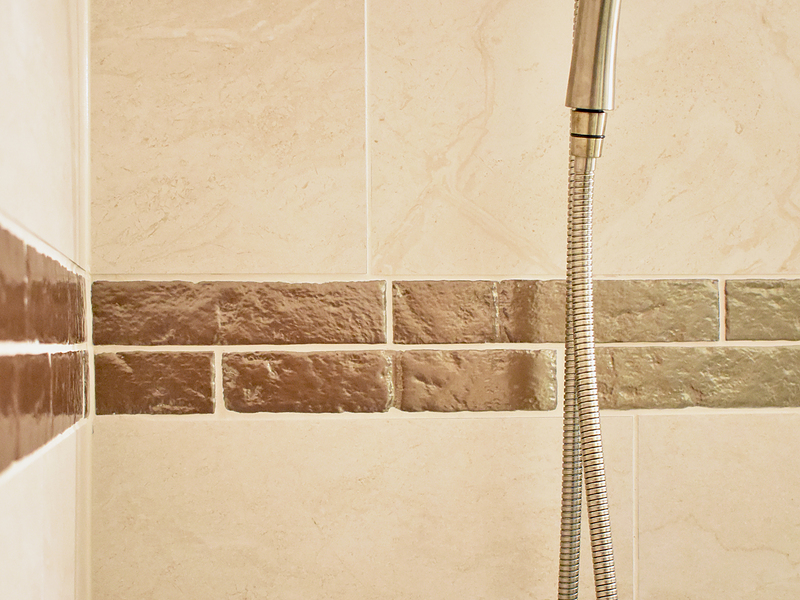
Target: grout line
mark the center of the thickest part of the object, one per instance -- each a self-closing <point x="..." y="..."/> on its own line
<point x="15" y="348"/>
<point x="635" y="505"/>
<point x="367" y="151"/>
<point x="723" y="310"/>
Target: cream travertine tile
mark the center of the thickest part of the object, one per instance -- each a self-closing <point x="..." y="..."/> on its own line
<point x="468" y="136"/>
<point x="718" y="511"/>
<point x="228" y="137"/>
<point x="469" y="139"/>
<point x="338" y="508"/>
<point x="39" y="115"/>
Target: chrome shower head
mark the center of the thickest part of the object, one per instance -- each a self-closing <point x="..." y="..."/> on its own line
<point x="594" y="50"/>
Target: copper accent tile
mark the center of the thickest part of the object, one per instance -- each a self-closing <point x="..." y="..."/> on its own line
<point x="145" y="313"/>
<point x="302" y="313"/>
<point x="154" y="383"/>
<point x="9" y="424"/>
<point x="306" y="382"/>
<point x="34" y="401"/>
<point x="12" y="287"/>
<point x="719" y="377"/>
<point x="443" y="312"/>
<point x="657" y="310"/>
<point x="153" y="313"/>
<point x="762" y="309"/>
<point x="67" y="389"/>
<point x="476" y="380"/>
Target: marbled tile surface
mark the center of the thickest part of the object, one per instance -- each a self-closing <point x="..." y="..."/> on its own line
<point x="718" y="510"/>
<point x="39" y="115"/>
<point x="379" y="507"/>
<point x="469" y="139"/>
<point x="228" y="137"/>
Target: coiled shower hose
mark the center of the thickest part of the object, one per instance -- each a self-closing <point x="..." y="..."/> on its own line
<point x="583" y="449"/>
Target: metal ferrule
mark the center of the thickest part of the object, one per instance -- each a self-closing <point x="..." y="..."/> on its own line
<point x="587" y="130"/>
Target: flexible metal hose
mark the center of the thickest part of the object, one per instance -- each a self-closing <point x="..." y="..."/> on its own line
<point x="583" y="448"/>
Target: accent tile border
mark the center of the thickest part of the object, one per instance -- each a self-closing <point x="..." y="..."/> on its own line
<point x="41" y="394"/>
<point x="659" y="345"/>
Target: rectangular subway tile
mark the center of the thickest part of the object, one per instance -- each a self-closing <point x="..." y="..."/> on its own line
<point x="67" y="389"/>
<point x="719" y="377"/>
<point x="657" y="310"/>
<point x="762" y="309"/>
<point x="9" y="424"/>
<point x="12" y="287"/>
<point x="476" y="380"/>
<point x="77" y="309"/>
<point x="307" y="382"/>
<point x="443" y="312"/>
<point x="34" y="401"/>
<point x="173" y="312"/>
<point x="154" y="383"/>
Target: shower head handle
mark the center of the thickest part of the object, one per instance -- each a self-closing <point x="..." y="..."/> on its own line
<point x="594" y="49"/>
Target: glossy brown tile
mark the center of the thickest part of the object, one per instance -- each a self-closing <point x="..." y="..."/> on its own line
<point x="443" y="312"/>
<point x="320" y="382"/>
<point x="9" y="424"/>
<point x="657" y="310"/>
<point x="154" y="383"/>
<point x="476" y="380"/>
<point x="67" y="369"/>
<point x="12" y="287"/>
<point x="154" y="313"/>
<point x="34" y="401"/>
<point x="763" y="309"/>
<point x="77" y="309"/>
<point x="719" y="377"/>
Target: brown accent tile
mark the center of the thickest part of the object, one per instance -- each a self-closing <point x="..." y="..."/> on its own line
<point x="443" y="312"/>
<point x="34" y="403"/>
<point x="77" y="309"/>
<point x="306" y="382"/>
<point x="665" y="377"/>
<point x="12" y="287"/>
<point x="301" y="313"/>
<point x="48" y="306"/>
<point x="476" y="380"/>
<point x="67" y="389"/>
<point x="153" y="313"/>
<point x="762" y="309"/>
<point x="143" y="313"/>
<point x="9" y="424"/>
<point x="154" y="383"/>
<point x="658" y="310"/>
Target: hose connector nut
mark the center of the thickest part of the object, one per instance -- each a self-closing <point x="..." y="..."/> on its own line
<point x="586" y="133"/>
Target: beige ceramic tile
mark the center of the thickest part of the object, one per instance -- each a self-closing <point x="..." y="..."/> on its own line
<point x="468" y="139"/>
<point x="341" y="508"/>
<point x="718" y="511"/>
<point x="37" y="525"/>
<point x="39" y="119"/>
<point x="228" y="137"/>
<point x="468" y="135"/>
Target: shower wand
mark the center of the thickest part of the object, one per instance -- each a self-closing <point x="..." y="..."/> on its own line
<point x="590" y="95"/>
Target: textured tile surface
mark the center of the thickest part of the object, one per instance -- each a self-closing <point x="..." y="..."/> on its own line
<point x="12" y="287"/>
<point x="306" y="382"/>
<point x="456" y="380"/>
<point x="666" y="377"/>
<point x="766" y="309"/>
<point x="718" y="511"/>
<point x="228" y="138"/>
<point x="383" y="507"/>
<point x="39" y="116"/>
<point x="153" y="383"/>
<point x="443" y="312"/>
<point x="174" y="312"/>
<point x="668" y="310"/>
<point x="67" y="391"/>
<point x="9" y="423"/>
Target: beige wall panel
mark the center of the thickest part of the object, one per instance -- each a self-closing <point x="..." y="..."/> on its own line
<point x="718" y="511"/>
<point x="469" y="139"/>
<point x="338" y="508"/>
<point x="228" y="137"/>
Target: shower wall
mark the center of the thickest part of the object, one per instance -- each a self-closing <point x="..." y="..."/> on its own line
<point x="328" y="248"/>
<point x="44" y="435"/>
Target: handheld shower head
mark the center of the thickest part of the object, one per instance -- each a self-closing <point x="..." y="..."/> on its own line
<point x="594" y="50"/>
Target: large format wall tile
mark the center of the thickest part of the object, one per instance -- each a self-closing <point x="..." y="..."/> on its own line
<point x="228" y="137"/>
<point x="375" y="507"/>
<point x="718" y="511"/>
<point x="39" y="116"/>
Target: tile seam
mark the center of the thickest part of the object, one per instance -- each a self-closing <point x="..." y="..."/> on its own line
<point x="635" y="505"/>
<point x="367" y="151"/>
